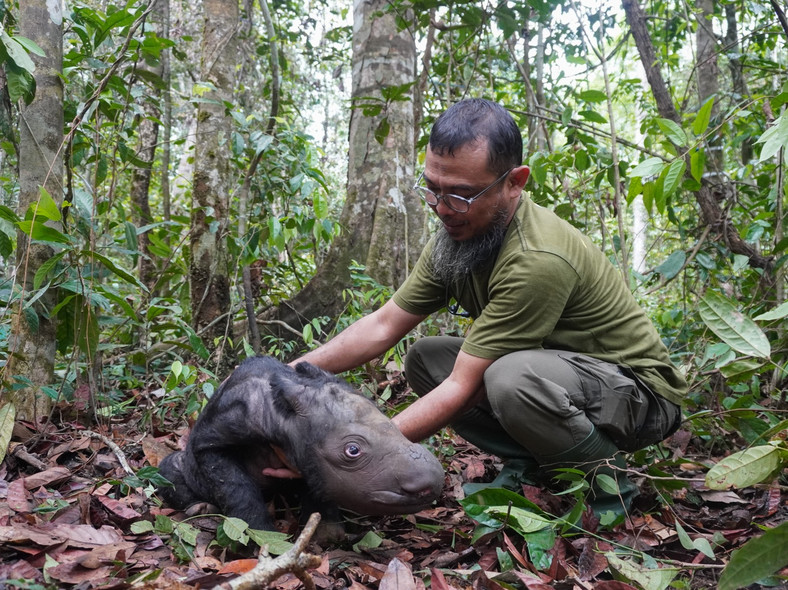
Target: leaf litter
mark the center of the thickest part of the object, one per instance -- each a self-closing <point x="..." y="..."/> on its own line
<point x="72" y="517"/>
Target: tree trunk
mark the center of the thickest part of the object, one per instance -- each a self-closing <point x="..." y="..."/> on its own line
<point x="382" y="220"/>
<point x="709" y="87"/>
<point x="381" y="174"/>
<point x="148" y="133"/>
<point x="209" y="267"/>
<point x="40" y="165"/>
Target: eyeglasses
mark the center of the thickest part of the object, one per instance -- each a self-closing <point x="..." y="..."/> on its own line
<point x="454" y="202"/>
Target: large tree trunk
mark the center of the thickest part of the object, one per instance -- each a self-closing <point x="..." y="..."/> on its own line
<point x="40" y="165"/>
<point x="209" y="267"/>
<point x="382" y="220"/>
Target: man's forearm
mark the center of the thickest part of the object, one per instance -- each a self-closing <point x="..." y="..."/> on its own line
<point x="364" y="340"/>
<point x="347" y="350"/>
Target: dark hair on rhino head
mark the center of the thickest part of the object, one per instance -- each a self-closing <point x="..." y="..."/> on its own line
<point x="479" y="119"/>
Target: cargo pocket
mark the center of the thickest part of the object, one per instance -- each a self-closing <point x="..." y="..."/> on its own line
<point x="613" y="401"/>
<point x="662" y="420"/>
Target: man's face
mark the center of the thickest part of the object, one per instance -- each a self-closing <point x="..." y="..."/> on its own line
<point x="466" y="174"/>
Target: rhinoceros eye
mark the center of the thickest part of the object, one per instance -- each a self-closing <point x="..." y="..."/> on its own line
<point x="352" y="450"/>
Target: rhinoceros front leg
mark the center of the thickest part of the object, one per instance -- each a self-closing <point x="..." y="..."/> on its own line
<point x="233" y="489"/>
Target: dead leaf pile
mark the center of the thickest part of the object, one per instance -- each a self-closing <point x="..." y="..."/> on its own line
<point x="67" y="510"/>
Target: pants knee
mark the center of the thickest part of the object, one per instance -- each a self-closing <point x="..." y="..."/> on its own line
<point x="430" y="361"/>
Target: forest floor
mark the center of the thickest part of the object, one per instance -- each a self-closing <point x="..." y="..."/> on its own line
<point x="70" y="517"/>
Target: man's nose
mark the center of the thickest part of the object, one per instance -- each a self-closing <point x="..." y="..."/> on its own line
<point x="442" y="209"/>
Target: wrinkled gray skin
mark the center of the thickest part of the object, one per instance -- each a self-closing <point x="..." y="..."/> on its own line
<point x="349" y="453"/>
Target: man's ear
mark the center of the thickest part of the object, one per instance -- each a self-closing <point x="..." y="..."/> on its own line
<point x="520" y="176"/>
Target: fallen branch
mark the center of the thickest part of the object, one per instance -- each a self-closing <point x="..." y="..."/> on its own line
<point x="19" y="451"/>
<point x="294" y="561"/>
<point x="113" y="447"/>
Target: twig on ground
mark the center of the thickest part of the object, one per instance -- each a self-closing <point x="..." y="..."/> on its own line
<point x="113" y="447"/>
<point x="18" y="451"/>
<point x="294" y="561"/>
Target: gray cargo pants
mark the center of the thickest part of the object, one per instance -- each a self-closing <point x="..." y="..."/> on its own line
<point x="541" y="403"/>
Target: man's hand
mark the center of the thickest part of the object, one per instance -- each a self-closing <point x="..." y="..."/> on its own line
<point x="286" y="471"/>
<point x="281" y="473"/>
<point x="463" y="389"/>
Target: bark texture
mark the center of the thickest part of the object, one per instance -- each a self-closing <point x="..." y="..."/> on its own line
<point x="383" y="221"/>
<point x="40" y="164"/>
<point x="209" y="266"/>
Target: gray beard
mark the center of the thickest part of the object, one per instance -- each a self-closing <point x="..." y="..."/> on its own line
<point x="452" y="261"/>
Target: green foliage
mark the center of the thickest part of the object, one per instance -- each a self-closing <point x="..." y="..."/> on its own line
<point x="231" y="533"/>
<point x="757" y="559"/>
<point x="748" y="467"/>
<point x="7" y="416"/>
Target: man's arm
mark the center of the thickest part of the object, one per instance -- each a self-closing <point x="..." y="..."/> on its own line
<point x="364" y="340"/>
<point x="463" y="389"/>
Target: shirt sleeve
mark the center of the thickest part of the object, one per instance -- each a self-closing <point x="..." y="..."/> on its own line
<point x="528" y="293"/>
<point x="422" y="293"/>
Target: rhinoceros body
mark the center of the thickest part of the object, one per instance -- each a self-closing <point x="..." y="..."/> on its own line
<point x="349" y="454"/>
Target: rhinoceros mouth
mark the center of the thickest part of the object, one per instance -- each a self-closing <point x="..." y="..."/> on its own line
<point x="387" y="502"/>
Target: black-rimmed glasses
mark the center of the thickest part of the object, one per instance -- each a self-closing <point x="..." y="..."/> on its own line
<point x="454" y="202"/>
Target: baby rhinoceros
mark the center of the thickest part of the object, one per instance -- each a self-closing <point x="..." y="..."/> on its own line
<point x="348" y="453"/>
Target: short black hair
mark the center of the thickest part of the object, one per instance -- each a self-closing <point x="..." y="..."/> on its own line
<point x="475" y="119"/>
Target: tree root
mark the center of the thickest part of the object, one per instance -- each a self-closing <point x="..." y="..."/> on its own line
<point x="294" y="561"/>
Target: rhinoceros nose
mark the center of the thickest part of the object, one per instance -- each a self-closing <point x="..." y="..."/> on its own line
<point x="425" y="475"/>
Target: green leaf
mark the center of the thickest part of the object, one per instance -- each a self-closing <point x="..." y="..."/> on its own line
<point x="592" y="116"/>
<point x="673" y="131"/>
<point x="7" y="417"/>
<point x="483" y="506"/>
<point x="320" y="206"/>
<point x="744" y="468"/>
<point x="8" y="214"/>
<point x="45" y="206"/>
<point x="538" y="169"/>
<point x="21" y="84"/>
<point x="701" y="543"/>
<point x="673" y="176"/>
<point x="774" y="138"/>
<point x="672" y="265"/>
<point x="119" y="271"/>
<point x="775" y="314"/>
<point x="703" y="117"/>
<point x="187" y="533"/>
<point x="733" y="327"/>
<point x="523" y="521"/>
<point x="17" y="53"/>
<point x="382" y="130"/>
<point x="234" y="528"/>
<point x="29" y="45"/>
<point x="581" y="160"/>
<point x="276" y="542"/>
<point x="697" y="163"/>
<point x="42" y="233"/>
<point x="141" y="526"/>
<point x="46" y="267"/>
<point x="607" y="484"/>
<point x="648" y="578"/>
<point x="368" y="541"/>
<point x="757" y="558"/>
<point x="649" y="167"/>
<point x="593" y="96"/>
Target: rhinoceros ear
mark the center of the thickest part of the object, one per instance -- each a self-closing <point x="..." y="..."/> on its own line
<point x="289" y="396"/>
<point x="310" y="371"/>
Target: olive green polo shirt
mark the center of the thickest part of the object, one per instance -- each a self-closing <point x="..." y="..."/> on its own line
<point x="550" y="287"/>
